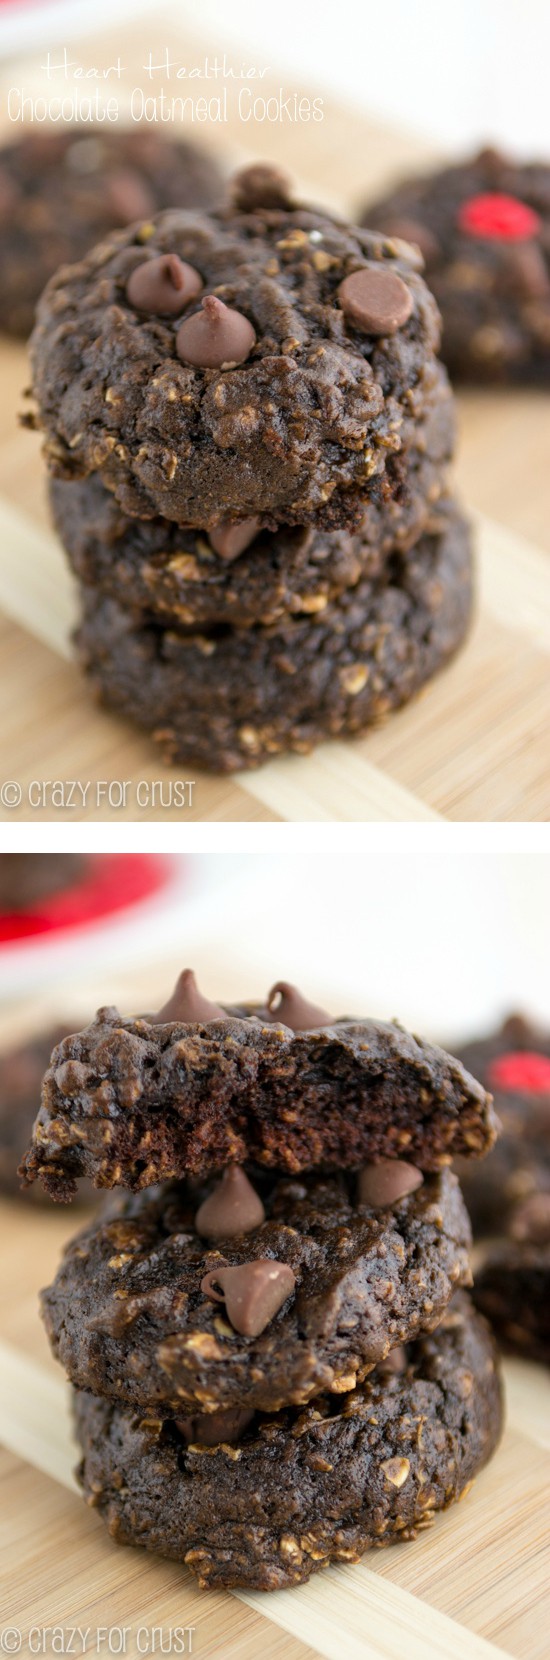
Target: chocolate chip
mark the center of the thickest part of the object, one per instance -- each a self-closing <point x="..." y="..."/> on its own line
<point x="215" y="337"/>
<point x="127" y="196"/>
<point x="233" y="1207"/>
<point x="376" y="300"/>
<point x="385" y="1183"/>
<point x="252" y="1292"/>
<point x="518" y="1031"/>
<point x="188" y="1004"/>
<point x="261" y="186"/>
<point x="209" y="1428"/>
<point x="491" y="160"/>
<point x="394" y="1362"/>
<point x="287" y="1007"/>
<point x="531" y="1220"/>
<point x="163" y="286"/>
<point x="229" y="540"/>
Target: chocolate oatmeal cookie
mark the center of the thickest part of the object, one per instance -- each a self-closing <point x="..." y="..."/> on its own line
<point x="512" y="1289"/>
<point x="129" y="1317"/>
<point x="508" y="1195"/>
<point x="177" y="576"/>
<point x="224" y="700"/>
<point x="514" y="1064"/>
<point x="483" y="228"/>
<point x="61" y="191"/>
<point x="248" y="367"/>
<point x="304" y="1487"/>
<point x="198" y="1087"/>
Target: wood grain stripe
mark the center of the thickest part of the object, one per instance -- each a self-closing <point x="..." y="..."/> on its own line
<point x="514" y="581"/>
<point x="35" y="588"/>
<point x="336" y="783"/>
<point x="352" y="1610"/>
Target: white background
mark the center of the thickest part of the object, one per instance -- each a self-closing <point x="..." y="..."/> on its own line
<point x="456" y="73"/>
<point x="446" y="941"/>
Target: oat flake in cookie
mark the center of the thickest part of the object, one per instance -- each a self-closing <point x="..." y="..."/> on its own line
<point x="253" y="363"/>
<point x="483" y="228"/>
<point x="293" y="1491"/>
<point x="133" y="1312"/>
<point x="132" y="1101"/>
<point x="64" y="189"/>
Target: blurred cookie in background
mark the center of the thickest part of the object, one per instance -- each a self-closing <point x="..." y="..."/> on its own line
<point x="483" y="228"/>
<point x="62" y="192"/>
<point x="508" y="1193"/>
<point x="27" y="879"/>
<point x="22" y="1068"/>
<point x="512" y="1289"/>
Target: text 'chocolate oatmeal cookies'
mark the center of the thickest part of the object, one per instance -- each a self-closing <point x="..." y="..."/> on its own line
<point x="275" y="387"/>
<point x="275" y="1366"/>
<point x="63" y="190"/>
<point x="483" y="229"/>
<point x="138" y="1100"/>
<point x="302" y="1488"/>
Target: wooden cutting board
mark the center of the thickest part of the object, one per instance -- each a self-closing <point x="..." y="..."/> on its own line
<point x="472" y="746"/>
<point x="475" y="1587"/>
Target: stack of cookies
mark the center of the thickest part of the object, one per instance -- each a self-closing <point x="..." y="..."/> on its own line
<point x="270" y="1373"/>
<point x="249" y="434"/>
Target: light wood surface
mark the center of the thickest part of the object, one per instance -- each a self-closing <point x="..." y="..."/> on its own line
<point x="473" y="746"/>
<point x="475" y="1587"/>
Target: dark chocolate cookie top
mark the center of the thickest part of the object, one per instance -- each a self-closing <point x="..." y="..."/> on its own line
<point x="197" y="1087"/>
<point x="483" y="228"/>
<point x="256" y="1293"/>
<point x="62" y="190"/>
<point x="292" y="1492"/>
<point x="254" y="364"/>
